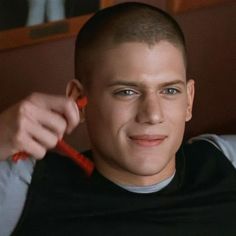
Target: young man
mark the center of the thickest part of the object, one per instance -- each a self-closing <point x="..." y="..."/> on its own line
<point x="130" y="62"/>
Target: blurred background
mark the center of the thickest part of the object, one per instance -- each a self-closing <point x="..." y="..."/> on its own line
<point x="16" y="13"/>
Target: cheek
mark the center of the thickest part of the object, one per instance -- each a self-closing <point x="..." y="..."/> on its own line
<point x="175" y="114"/>
<point x="108" y="118"/>
<point x="175" y="119"/>
<point x="118" y="118"/>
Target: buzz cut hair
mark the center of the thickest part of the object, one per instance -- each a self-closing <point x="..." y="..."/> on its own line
<point x="125" y="22"/>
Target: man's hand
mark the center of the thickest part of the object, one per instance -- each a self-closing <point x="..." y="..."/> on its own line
<point x="35" y="124"/>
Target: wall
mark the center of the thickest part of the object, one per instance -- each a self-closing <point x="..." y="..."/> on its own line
<point x="211" y="38"/>
<point x="211" y="41"/>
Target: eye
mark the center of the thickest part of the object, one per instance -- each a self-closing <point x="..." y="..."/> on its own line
<point x="170" y="91"/>
<point x="125" y="93"/>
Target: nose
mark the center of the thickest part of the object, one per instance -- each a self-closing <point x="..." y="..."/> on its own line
<point x="150" y="110"/>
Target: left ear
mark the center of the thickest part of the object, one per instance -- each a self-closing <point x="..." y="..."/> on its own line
<point x="74" y="90"/>
<point x="190" y="97"/>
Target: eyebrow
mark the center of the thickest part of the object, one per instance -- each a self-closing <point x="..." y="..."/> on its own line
<point x="173" y="82"/>
<point x="137" y="84"/>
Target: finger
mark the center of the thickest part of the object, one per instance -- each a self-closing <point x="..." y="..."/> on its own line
<point x="43" y="136"/>
<point x="30" y="146"/>
<point x="30" y="128"/>
<point x="72" y="115"/>
<point x="34" y="148"/>
<point x="31" y="114"/>
<point x="52" y="121"/>
<point x="66" y="107"/>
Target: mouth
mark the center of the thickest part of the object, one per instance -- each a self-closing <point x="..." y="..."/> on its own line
<point x="147" y="140"/>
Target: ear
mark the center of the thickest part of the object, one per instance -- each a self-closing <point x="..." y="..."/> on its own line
<point x="190" y="98"/>
<point x="75" y="90"/>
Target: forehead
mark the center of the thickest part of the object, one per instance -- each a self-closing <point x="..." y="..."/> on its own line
<point x="135" y="56"/>
<point x="135" y="60"/>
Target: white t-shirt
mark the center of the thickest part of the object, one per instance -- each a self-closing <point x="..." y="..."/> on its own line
<point x="15" y="179"/>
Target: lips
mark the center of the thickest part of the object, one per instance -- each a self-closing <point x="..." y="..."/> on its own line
<point x="147" y="140"/>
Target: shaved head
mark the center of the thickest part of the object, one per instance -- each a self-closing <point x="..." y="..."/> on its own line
<point x="125" y="22"/>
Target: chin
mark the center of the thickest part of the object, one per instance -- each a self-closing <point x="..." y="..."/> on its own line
<point x="152" y="164"/>
<point x="146" y="168"/>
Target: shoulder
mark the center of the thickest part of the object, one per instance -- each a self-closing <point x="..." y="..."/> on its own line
<point x="203" y="159"/>
<point x="202" y="163"/>
<point x="224" y="143"/>
<point x="199" y="152"/>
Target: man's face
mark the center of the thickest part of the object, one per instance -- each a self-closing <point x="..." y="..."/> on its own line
<point x="138" y="103"/>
